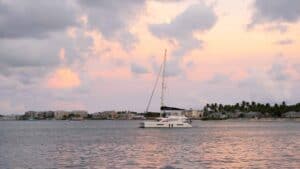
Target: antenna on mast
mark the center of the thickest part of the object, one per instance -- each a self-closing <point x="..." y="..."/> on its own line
<point x="163" y="85"/>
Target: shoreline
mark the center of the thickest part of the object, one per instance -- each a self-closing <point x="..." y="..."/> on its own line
<point x="228" y="120"/>
<point x="263" y="119"/>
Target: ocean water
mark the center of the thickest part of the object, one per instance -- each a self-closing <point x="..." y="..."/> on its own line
<point x="121" y="144"/>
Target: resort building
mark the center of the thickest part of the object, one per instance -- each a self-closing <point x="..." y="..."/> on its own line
<point x="193" y="114"/>
<point x="291" y="114"/>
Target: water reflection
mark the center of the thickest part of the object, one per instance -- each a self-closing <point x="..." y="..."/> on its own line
<point x="119" y="144"/>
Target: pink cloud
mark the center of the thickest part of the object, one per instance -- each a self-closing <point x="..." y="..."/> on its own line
<point x="63" y="78"/>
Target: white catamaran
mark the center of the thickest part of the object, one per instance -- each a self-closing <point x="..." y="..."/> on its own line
<point x="173" y="117"/>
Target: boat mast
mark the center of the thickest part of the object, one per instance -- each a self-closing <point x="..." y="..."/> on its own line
<point x="160" y="73"/>
<point x="154" y="88"/>
<point x="163" y="85"/>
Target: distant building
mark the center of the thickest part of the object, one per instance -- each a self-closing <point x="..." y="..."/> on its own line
<point x="45" y="115"/>
<point x="193" y="114"/>
<point x="110" y="115"/>
<point x="31" y="115"/>
<point x="73" y="115"/>
<point x="291" y="114"/>
<point x="125" y="115"/>
<point x="253" y="115"/>
<point x="96" y="116"/>
<point x="80" y="113"/>
<point x="235" y="114"/>
<point x="114" y="115"/>
<point x="39" y="115"/>
<point x="8" y="117"/>
<point x="216" y="115"/>
<point x="138" y="117"/>
<point x="60" y="114"/>
<point x="105" y="115"/>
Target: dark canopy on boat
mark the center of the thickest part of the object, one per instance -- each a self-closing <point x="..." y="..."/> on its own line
<point x="169" y="108"/>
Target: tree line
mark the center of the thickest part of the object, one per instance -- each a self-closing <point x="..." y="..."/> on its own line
<point x="274" y="110"/>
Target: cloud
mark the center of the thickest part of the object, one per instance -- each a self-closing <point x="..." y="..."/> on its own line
<point x="32" y="34"/>
<point x="277" y="27"/>
<point x="254" y="88"/>
<point x="63" y="78"/>
<point x="297" y="67"/>
<point x="218" y="78"/>
<point x="27" y="60"/>
<point x="138" y="69"/>
<point x="197" y="17"/>
<point x="34" y="58"/>
<point x="7" y="107"/>
<point x="275" y="11"/>
<point x="113" y="18"/>
<point x="28" y="55"/>
<point x="284" y="42"/>
<point x="278" y="72"/>
<point x="173" y="68"/>
<point x="272" y="83"/>
<point x="54" y="63"/>
<point x="28" y="52"/>
<point x="35" y="19"/>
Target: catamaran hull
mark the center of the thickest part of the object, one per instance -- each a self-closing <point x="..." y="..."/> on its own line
<point x="154" y="124"/>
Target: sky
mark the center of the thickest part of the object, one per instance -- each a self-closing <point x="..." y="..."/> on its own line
<point x="102" y="55"/>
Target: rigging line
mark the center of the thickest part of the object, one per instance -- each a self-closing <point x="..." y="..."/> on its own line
<point x="153" y="90"/>
<point x="163" y="85"/>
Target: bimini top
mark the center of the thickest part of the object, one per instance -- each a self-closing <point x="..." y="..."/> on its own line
<point x="170" y="108"/>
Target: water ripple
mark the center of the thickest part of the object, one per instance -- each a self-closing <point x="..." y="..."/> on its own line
<point x="120" y="144"/>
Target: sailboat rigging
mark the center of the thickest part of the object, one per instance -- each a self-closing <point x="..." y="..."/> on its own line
<point x="174" y="117"/>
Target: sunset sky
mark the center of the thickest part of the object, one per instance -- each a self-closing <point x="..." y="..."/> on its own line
<point x="104" y="55"/>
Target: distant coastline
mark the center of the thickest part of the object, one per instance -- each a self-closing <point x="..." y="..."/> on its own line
<point x="244" y="110"/>
<point x="250" y="110"/>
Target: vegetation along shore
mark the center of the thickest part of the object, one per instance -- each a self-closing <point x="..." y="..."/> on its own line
<point x="213" y="111"/>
